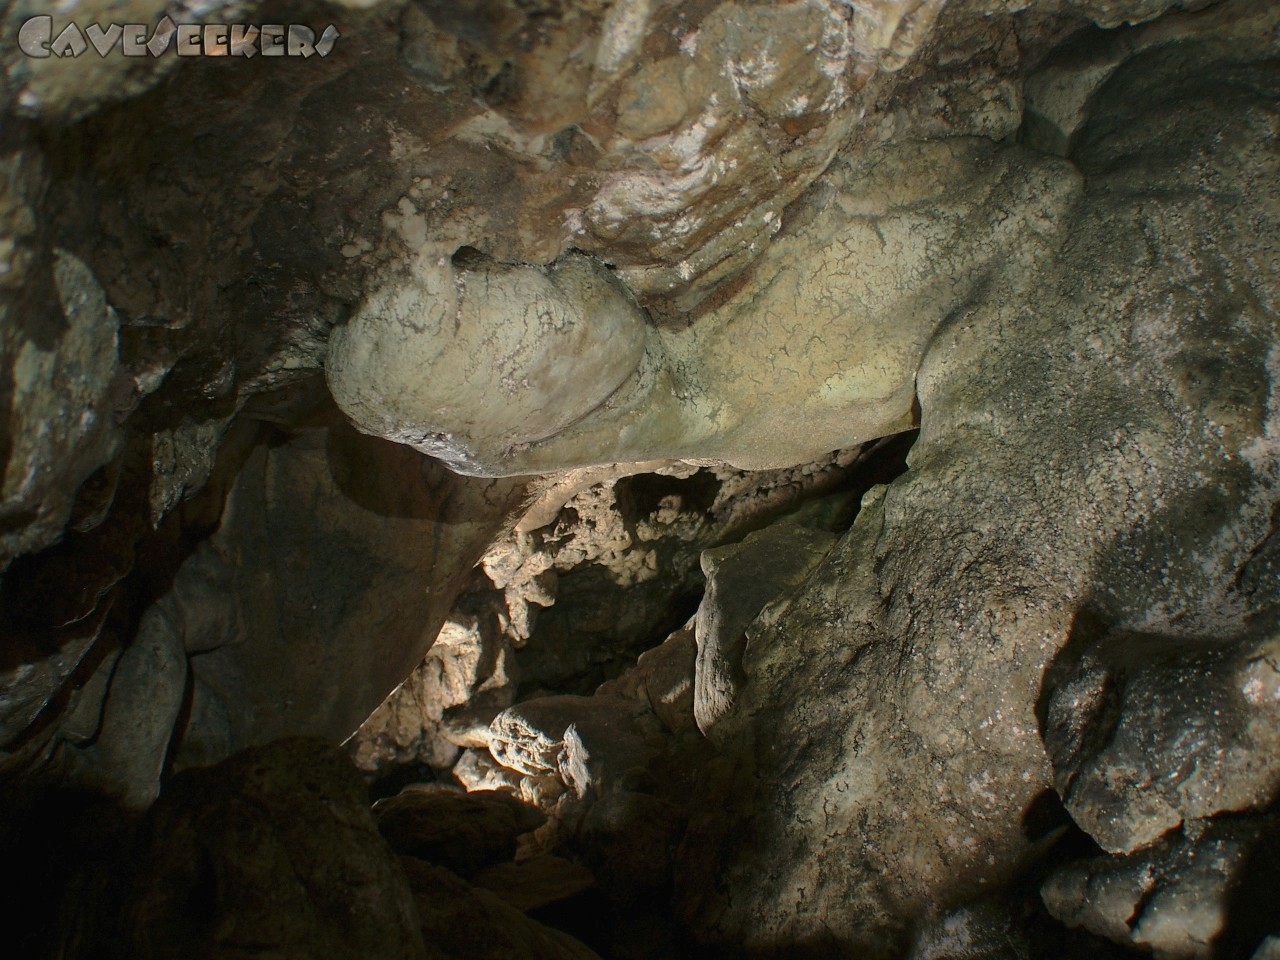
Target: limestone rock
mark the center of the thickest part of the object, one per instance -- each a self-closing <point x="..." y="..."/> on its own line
<point x="477" y="770"/>
<point x="1178" y="897"/>
<point x="588" y="742"/>
<point x="64" y="386"/>
<point x="535" y="882"/>
<point x="274" y="620"/>
<point x="615" y="567"/>
<point x="449" y="361"/>
<point x="464" y="832"/>
<point x="462" y="922"/>
<point x="742" y="580"/>
<point x="631" y="839"/>
<point x="274" y="848"/>
<point x="127" y="753"/>
<point x="1059" y="92"/>
<point x="1146" y="732"/>
<point x="673" y="238"/>
<point x="447" y="703"/>
<point x="64" y="88"/>
<point x="1075" y="458"/>
<point x="667" y="675"/>
<point x="717" y="389"/>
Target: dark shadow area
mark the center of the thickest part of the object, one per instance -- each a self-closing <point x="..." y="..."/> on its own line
<point x="1045" y="816"/>
<point x="642" y="494"/>
<point x="64" y="851"/>
<point x="392" y="778"/>
<point x="1253" y="896"/>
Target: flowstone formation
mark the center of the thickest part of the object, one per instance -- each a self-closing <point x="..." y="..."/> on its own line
<point x="805" y="473"/>
<point x="830" y="329"/>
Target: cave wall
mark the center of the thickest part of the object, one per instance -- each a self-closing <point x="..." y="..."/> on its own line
<point x="288" y="346"/>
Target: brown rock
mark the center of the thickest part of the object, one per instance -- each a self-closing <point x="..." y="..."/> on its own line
<point x="272" y="851"/>
<point x="464" y="832"/>
<point x="536" y="882"/>
<point x="462" y="922"/>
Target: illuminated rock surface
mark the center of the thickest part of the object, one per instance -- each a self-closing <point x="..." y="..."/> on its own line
<point x="833" y="450"/>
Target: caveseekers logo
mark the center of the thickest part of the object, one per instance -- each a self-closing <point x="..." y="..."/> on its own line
<point x="36" y="39"/>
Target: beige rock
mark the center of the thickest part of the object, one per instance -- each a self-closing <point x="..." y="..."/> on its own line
<point x="63" y="88"/>
<point x="1076" y="454"/>
<point x="447" y="702"/>
<point x="586" y="741"/>
<point x="832" y="328"/>
<point x="666" y="676"/>
<point x="497" y="357"/>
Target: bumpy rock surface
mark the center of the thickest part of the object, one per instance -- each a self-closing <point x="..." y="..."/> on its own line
<point x="599" y="570"/>
<point x="612" y="255"/>
<point x="831" y="328"/>
<point x="1172" y="729"/>
<point x="1201" y="893"/>
<point x="1081" y="455"/>
<point x="742" y="581"/>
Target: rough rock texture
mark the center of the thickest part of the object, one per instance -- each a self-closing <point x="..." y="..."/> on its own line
<point x="607" y="252"/>
<point x="612" y="773"/>
<point x="677" y="143"/>
<point x="1080" y="456"/>
<point x="595" y="574"/>
<point x="462" y="922"/>
<point x="1202" y="893"/>
<point x="1172" y="729"/>
<point x="862" y="268"/>
<point x="264" y="630"/>
<point x="464" y="681"/>
<point x="464" y="832"/>
<point x="743" y="581"/>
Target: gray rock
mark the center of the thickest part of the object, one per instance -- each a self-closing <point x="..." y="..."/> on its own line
<point x="1178" y="897"/>
<point x="1148" y="731"/>
<point x="141" y="704"/>
<point x="64" y="384"/>
<point x="742" y="580"/>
